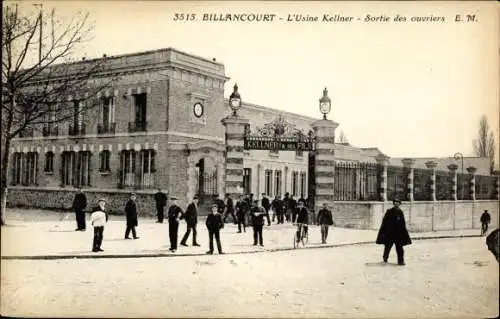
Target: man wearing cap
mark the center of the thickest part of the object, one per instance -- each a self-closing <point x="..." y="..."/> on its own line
<point x="241" y="211"/>
<point x="324" y="219"/>
<point x="98" y="219"/>
<point x="258" y="213"/>
<point x="485" y="220"/>
<point x="267" y="205"/>
<point x="161" y="201"/>
<point x="393" y="232"/>
<point x="214" y="224"/>
<point x="174" y="215"/>
<point x="191" y="217"/>
<point x="131" y="214"/>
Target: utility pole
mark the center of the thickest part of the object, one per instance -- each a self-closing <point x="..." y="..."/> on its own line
<point x="40" y="17"/>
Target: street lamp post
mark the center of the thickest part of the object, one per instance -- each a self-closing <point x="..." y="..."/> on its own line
<point x="235" y="100"/>
<point x="325" y="103"/>
<point x="458" y="156"/>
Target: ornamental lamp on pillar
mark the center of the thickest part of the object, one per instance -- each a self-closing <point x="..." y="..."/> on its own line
<point x="235" y="100"/>
<point x="325" y="103"/>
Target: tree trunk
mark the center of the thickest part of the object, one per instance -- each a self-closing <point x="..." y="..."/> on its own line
<point x="4" y="175"/>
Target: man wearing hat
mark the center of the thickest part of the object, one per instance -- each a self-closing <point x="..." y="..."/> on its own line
<point x="393" y="232"/>
<point x="191" y="217"/>
<point x="161" y="201"/>
<point x="174" y="215"/>
<point x="98" y="219"/>
<point x="79" y="205"/>
<point x="131" y="214"/>
<point x="214" y="224"/>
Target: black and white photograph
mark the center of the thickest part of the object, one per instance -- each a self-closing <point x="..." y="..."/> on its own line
<point x="250" y="159"/>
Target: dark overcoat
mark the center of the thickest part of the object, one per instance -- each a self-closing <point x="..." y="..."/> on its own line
<point x="230" y="206"/>
<point x="393" y="228"/>
<point x="325" y="217"/>
<point x="79" y="202"/>
<point x="191" y="215"/>
<point x="258" y="214"/>
<point x="131" y="213"/>
<point x="214" y="222"/>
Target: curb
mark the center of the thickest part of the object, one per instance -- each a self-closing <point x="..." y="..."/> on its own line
<point x="162" y="255"/>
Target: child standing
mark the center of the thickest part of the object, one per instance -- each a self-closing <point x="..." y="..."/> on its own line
<point x="98" y="220"/>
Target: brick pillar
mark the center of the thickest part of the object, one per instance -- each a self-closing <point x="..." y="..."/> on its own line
<point x="325" y="161"/>
<point x="408" y="163"/>
<point x="453" y="169"/>
<point x="382" y="160"/>
<point x="235" y="130"/>
<point x="472" y="182"/>
<point x="432" y="166"/>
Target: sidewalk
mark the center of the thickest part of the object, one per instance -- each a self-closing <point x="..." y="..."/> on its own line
<point x="58" y="239"/>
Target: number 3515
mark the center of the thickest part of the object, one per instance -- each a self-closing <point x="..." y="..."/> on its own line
<point x="184" y="17"/>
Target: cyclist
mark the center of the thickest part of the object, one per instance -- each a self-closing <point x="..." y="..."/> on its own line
<point x="302" y="220"/>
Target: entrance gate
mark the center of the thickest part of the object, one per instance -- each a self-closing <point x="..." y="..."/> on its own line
<point x="282" y="136"/>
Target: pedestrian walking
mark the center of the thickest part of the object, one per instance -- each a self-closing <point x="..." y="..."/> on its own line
<point x="98" y="219"/>
<point x="191" y="218"/>
<point x="131" y="214"/>
<point x="242" y="209"/>
<point x="257" y="212"/>
<point x="214" y="224"/>
<point x="485" y="220"/>
<point x="325" y="220"/>
<point x="161" y="201"/>
<point x="393" y="232"/>
<point x="229" y="209"/>
<point x="277" y="207"/>
<point x="265" y="203"/>
<point x="79" y="205"/>
<point x="174" y="216"/>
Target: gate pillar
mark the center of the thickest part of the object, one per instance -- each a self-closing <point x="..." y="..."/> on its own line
<point x="235" y="130"/>
<point x="324" y="162"/>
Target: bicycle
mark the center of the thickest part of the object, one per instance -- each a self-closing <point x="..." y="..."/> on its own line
<point x="301" y="235"/>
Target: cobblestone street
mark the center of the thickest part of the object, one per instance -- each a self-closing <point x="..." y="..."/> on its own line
<point x="443" y="277"/>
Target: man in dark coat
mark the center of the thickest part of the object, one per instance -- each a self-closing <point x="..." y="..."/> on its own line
<point x="174" y="216"/>
<point x="485" y="220"/>
<point x="393" y="232"/>
<point x="191" y="218"/>
<point x="325" y="220"/>
<point x="493" y="243"/>
<point x="229" y="206"/>
<point x="221" y="206"/>
<point x="241" y="211"/>
<point x="267" y="205"/>
<point x="214" y="224"/>
<point x="277" y="206"/>
<point x="161" y="202"/>
<point x="131" y="214"/>
<point x="79" y="205"/>
<point x="257" y="213"/>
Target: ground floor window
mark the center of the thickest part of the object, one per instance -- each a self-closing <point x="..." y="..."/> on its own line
<point x="49" y="162"/>
<point x="303" y="186"/>
<point x="25" y="168"/>
<point x="137" y="168"/>
<point x="268" y="182"/>
<point x="295" y="182"/>
<point x="104" y="161"/>
<point x="247" y="180"/>
<point x="277" y="183"/>
<point x="76" y="168"/>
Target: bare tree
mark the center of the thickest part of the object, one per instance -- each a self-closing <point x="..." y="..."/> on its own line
<point x="342" y="138"/>
<point x="484" y="143"/>
<point x="39" y="93"/>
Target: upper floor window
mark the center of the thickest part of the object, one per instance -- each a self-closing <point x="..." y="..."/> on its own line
<point x="106" y="122"/>
<point x="139" y="123"/>
<point x="77" y="127"/>
<point x="50" y="120"/>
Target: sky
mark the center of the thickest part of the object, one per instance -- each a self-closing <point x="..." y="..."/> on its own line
<point x="409" y="88"/>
